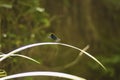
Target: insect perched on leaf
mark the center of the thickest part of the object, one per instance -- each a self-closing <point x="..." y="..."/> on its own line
<point x="54" y="37"/>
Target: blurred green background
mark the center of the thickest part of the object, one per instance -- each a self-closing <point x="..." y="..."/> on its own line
<point x="75" y="22"/>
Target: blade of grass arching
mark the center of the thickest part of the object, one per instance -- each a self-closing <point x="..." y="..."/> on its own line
<point x="77" y="59"/>
<point x="50" y="43"/>
<point x="71" y="63"/>
<point x="43" y="73"/>
<point x="84" y="49"/>
<point x="6" y="5"/>
<point x="23" y="56"/>
<point x="29" y="58"/>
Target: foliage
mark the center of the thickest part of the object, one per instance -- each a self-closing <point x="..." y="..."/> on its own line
<point x="25" y="23"/>
<point x="76" y="22"/>
<point x="45" y="73"/>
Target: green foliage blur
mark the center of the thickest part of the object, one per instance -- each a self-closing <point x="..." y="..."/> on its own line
<point x="22" y="22"/>
<point x="76" y="22"/>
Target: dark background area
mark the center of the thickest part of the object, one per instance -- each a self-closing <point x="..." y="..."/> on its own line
<point x="75" y="22"/>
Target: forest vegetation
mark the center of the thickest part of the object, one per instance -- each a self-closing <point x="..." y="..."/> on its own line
<point x="75" y="22"/>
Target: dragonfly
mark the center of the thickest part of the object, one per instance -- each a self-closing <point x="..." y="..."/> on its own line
<point x="54" y="37"/>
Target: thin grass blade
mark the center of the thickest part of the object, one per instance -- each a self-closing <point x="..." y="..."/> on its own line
<point x="51" y="43"/>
